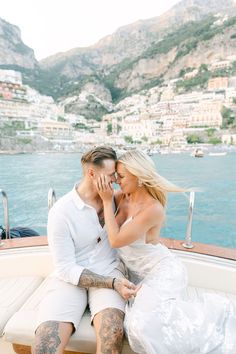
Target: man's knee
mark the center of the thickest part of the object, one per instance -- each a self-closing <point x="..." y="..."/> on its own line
<point x="52" y="336"/>
<point x="111" y="330"/>
<point x="47" y="337"/>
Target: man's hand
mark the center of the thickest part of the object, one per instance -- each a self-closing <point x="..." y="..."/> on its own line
<point x="125" y="288"/>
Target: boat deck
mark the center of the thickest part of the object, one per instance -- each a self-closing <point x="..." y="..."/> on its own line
<point x="210" y="268"/>
<point x="173" y="244"/>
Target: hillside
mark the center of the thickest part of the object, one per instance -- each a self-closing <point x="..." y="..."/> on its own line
<point x="14" y="54"/>
<point x="136" y="57"/>
<point x="142" y="54"/>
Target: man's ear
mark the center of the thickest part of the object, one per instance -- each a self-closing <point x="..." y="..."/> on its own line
<point x="91" y="173"/>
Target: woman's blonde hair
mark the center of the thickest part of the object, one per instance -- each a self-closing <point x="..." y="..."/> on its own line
<point x="142" y="166"/>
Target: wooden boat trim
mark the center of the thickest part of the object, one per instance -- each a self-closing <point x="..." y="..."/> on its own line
<point x="210" y="250"/>
<point x="24" y="349"/>
<point x="202" y="248"/>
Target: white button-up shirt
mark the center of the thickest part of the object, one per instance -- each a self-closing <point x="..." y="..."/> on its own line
<point x="77" y="240"/>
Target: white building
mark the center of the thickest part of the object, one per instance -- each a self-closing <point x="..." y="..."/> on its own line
<point x="10" y="76"/>
<point x="138" y="128"/>
<point x="229" y="139"/>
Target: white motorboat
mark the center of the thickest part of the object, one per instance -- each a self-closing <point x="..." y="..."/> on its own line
<point x="198" y="153"/>
<point x="26" y="265"/>
<point x="217" y="153"/>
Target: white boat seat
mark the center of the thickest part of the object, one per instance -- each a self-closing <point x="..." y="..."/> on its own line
<point x="14" y="291"/>
<point x="20" y="327"/>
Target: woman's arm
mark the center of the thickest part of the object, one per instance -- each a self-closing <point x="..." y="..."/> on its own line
<point x="151" y="216"/>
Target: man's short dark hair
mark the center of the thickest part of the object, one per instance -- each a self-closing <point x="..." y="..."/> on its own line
<point x="97" y="155"/>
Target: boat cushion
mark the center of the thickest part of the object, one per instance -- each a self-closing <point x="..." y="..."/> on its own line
<point x="20" y="328"/>
<point x="14" y="291"/>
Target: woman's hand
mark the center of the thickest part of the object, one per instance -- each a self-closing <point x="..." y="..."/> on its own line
<point x="104" y="188"/>
<point x="125" y="288"/>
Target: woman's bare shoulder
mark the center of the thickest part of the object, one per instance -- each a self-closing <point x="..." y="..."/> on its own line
<point x="154" y="210"/>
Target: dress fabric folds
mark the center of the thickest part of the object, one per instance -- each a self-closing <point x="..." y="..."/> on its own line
<point x="160" y="320"/>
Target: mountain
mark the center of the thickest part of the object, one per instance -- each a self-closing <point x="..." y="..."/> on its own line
<point x="13" y="52"/>
<point x="141" y="54"/>
<point x="131" y="40"/>
<point x="136" y="57"/>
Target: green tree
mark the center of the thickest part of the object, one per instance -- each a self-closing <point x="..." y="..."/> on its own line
<point x="194" y="139"/>
<point x="61" y="119"/>
<point x="24" y="141"/>
<point x="144" y="138"/>
<point x="210" y="132"/>
<point x="119" y="128"/>
<point x="214" y="140"/>
<point x="128" y="139"/>
<point x="229" y="117"/>
<point x="203" y="68"/>
<point x="109" y="128"/>
<point x="80" y="126"/>
<point x="158" y="142"/>
<point x="185" y="71"/>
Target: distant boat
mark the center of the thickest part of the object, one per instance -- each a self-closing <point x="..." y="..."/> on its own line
<point x="149" y="152"/>
<point x="217" y="153"/>
<point x="164" y="152"/>
<point x="198" y="153"/>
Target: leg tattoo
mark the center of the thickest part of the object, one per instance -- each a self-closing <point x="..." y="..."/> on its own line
<point x="47" y="338"/>
<point x="111" y="331"/>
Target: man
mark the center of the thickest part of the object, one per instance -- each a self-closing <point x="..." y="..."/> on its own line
<point x="87" y="269"/>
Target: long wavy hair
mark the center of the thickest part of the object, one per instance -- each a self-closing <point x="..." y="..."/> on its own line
<point x="142" y="166"/>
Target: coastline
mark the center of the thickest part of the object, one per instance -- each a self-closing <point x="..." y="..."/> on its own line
<point x="207" y="149"/>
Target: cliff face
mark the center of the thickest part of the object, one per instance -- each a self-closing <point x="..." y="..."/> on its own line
<point x="141" y="54"/>
<point x="13" y="52"/>
<point x="135" y="57"/>
<point x="131" y="40"/>
<point x="168" y="65"/>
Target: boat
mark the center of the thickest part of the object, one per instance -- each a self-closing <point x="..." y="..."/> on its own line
<point x="217" y="153"/>
<point x="176" y="152"/>
<point x="198" y="153"/>
<point x="26" y="265"/>
<point x="164" y="152"/>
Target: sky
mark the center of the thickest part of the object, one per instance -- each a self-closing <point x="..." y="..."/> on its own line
<point x="52" y="26"/>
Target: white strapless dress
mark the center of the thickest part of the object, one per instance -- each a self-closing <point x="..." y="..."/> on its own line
<point x="160" y="320"/>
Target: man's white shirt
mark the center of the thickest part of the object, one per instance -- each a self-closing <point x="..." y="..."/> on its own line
<point x="77" y="240"/>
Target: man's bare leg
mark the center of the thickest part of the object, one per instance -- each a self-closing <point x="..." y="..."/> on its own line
<point x="52" y="337"/>
<point x="108" y="325"/>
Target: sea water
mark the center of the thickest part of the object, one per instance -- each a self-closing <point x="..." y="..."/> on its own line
<point x="26" y="178"/>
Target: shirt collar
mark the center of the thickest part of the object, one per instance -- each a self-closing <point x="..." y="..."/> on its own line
<point x="76" y="198"/>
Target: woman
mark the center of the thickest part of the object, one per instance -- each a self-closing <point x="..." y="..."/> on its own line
<point x="159" y="320"/>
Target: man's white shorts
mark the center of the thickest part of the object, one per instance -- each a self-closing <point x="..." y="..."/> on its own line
<point x="65" y="302"/>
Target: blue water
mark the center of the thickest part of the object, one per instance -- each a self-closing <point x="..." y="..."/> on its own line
<point x="27" y="178"/>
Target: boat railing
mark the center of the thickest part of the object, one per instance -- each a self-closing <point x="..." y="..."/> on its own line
<point x="51" y="198"/>
<point x="188" y="236"/>
<point x="6" y="214"/>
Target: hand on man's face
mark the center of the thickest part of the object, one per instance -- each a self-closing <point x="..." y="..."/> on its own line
<point x="104" y="187"/>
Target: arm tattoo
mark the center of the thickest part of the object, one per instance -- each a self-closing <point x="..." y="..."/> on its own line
<point x="89" y="279"/>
